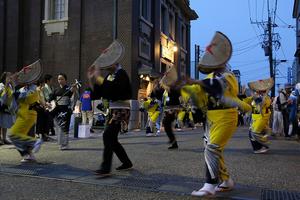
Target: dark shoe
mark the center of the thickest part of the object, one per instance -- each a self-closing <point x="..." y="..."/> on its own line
<point x="6" y="142"/>
<point x="102" y="173"/>
<point x="92" y="131"/>
<point x="124" y="167"/>
<point x="173" y="146"/>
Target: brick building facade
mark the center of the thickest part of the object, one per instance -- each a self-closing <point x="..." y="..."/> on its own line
<point x="68" y="35"/>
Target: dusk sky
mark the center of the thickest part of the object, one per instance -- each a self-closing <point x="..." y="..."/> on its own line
<point x="232" y="17"/>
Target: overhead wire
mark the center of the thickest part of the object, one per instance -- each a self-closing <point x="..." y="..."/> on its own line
<point x="262" y="12"/>
<point x="248" y="64"/>
<point x="286" y="24"/>
<point x="256" y="9"/>
<point x="246" y="40"/>
<point x="274" y="17"/>
<point x="244" y="51"/>
<point x="246" y="47"/>
<point x="248" y="61"/>
<point x="250" y="16"/>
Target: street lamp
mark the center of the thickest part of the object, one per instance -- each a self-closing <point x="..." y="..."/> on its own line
<point x="175" y="48"/>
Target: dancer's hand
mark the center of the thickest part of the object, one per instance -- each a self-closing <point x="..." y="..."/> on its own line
<point x="91" y="72"/>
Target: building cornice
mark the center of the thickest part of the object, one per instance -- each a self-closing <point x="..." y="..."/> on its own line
<point x="184" y="5"/>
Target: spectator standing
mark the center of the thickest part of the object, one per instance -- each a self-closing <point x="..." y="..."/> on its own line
<point x="42" y="128"/>
<point x="48" y="93"/>
<point x="8" y="106"/>
<point x="277" y="126"/>
<point x="62" y="96"/>
<point x="283" y="103"/>
<point x="87" y="112"/>
<point x="292" y="109"/>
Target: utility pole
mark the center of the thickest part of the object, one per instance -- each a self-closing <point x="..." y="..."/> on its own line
<point x="270" y="46"/>
<point x="197" y="58"/>
<point x="270" y="39"/>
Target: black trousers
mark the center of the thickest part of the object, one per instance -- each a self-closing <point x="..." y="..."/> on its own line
<point x="285" y="116"/>
<point x="167" y="122"/>
<point x="112" y="145"/>
<point x="42" y="123"/>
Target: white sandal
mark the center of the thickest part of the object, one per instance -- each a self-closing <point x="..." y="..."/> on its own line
<point x="208" y="190"/>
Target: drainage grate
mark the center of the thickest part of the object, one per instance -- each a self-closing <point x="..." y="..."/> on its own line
<point x="45" y="170"/>
<point x="141" y="183"/>
<point x="19" y="169"/>
<point x="161" y="182"/>
<point x="279" y="195"/>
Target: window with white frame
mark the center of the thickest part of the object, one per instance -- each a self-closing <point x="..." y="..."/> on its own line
<point x="56" y="10"/>
<point x="145" y="9"/>
<point x="56" y="16"/>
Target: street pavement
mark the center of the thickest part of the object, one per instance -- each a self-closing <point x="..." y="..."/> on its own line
<point x="158" y="173"/>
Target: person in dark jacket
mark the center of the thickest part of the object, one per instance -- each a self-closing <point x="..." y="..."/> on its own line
<point x="171" y="103"/>
<point x="116" y="88"/>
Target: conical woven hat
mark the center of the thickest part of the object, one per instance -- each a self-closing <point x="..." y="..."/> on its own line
<point x="112" y="55"/>
<point x="261" y="85"/>
<point x="217" y="53"/>
<point x="170" y="77"/>
<point x="30" y="73"/>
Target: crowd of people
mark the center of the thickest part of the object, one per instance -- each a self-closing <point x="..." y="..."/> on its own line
<point x="30" y="110"/>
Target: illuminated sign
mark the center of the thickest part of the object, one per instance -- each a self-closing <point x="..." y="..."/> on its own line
<point x="167" y="53"/>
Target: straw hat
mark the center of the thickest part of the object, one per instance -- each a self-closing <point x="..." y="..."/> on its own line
<point x="30" y="73"/>
<point x="261" y="85"/>
<point x="112" y="55"/>
<point x="217" y="53"/>
<point x="170" y="77"/>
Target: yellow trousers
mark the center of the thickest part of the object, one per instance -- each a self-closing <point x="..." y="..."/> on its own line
<point x="260" y="124"/>
<point x="221" y="126"/>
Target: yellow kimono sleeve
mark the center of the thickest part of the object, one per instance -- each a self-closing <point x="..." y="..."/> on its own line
<point x="230" y="94"/>
<point x="197" y="95"/>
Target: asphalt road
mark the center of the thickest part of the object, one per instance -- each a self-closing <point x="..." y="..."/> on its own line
<point x="158" y="173"/>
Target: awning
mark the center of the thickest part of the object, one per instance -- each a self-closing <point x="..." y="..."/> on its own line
<point x="147" y="70"/>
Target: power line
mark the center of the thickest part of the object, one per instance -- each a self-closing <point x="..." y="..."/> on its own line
<point x="252" y="63"/>
<point x="244" y="51"/>
<point x="243" y="41"/>
<point x="253" y="70"/>
<point x="246" y="47"/>
<point x="262" y="12"/>
<point x="275" y="10"/>
<point x="256" y="9"/>
<point x="248" y="61"/>
<point x="287" y="25"/>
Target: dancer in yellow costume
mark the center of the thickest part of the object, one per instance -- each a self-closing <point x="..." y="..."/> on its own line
<point x="186" y="110"/>
<point x="26" y="118"/>
<point x="261" y="112"/>
<point x="27" y="98"/>
<point x="217" y="96"/>
<point x="152" y="109"/>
